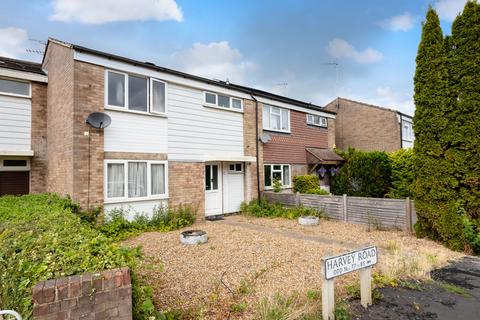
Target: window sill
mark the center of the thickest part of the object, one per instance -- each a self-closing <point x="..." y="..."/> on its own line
<point x="316" y="126"/>
<point x="221" y="108"/>
<point x="152" y="114"/>
<point x="271" y="188"/>
<point x="279" y="131"/>
<point x="124" y="200"/>
<point x="15" y="95"/>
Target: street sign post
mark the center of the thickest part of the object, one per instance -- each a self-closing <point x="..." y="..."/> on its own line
<point x="335" y="266"/>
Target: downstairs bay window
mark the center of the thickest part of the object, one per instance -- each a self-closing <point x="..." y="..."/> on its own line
<point x="131" y="180"/>
<point x="279" y="172"/>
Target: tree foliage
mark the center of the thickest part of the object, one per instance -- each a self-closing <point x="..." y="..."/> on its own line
<point x="364" y="174"/>
<point x="447" y="126"/>
<point x="403" y="174"/>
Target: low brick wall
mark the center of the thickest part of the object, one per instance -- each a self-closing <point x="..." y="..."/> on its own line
<point x="104" y="295"/>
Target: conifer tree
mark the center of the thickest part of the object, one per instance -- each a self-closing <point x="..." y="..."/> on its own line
<point x="434" y="188"/>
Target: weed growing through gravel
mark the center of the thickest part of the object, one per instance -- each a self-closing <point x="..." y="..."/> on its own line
<point x="292" y="307"/>
<point x="454" y="289"/>
<point x="263" y="208"/>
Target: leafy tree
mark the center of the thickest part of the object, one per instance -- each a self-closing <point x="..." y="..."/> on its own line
<point x="364" y="174"/>
<point x="403" y="173"/>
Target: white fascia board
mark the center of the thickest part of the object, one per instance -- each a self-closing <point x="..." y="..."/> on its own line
<point x="22" y="75"/>
<point x="230" y="159"/>
<point x="17" y="153"/>
<point x="129" y="68"/>
<point x="294" y="107"/>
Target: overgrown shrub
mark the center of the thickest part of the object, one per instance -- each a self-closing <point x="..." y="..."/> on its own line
<point x="41" y="238"/>
<point x="277" y="185"/>
<point x="117" y="226"/>
<point x="364" y="174"/>
<point x="309" y="184"/>
<point x="263" y="208"/>
<point x="403" y="174"/>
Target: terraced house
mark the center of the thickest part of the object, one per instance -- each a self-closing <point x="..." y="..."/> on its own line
<point x="174" y="138"/>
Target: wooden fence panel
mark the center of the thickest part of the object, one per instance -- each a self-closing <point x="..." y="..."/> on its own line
<point x="378" y="212"/>
<point x="331" y="205"/>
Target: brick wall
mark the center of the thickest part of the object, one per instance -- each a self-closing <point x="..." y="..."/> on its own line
<point x="89" y="97"/>
<point x="59" y="63"/>
<point x="38" y="163"/>
<point x="250" y="148"/>
<point x="186" y="182"/>
<point x="290" y="148"/>
<point x="104" y="295"/>
<point x="364" y="126"/>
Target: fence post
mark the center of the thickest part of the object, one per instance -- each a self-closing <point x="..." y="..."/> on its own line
<point x="408" y="215"/>
<point x="345" y="211"/>
<point x="297" y="199"/>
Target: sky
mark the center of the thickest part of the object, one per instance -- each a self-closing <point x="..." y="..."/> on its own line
<point x="308" y="50"/>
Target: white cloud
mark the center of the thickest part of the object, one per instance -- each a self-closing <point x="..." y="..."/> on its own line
<point x="449" y="9"/>
<point x="104" y="11"/>
<point x="214" y="60"/>
<point x="403" y="22"/>
<point x="339" y="48"/>
<point x="13" y="42"/>
<point x="386" y="97"/>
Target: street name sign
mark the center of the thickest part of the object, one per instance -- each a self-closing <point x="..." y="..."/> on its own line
<point x="348" y="262"/>
<point x="335" y="266"/>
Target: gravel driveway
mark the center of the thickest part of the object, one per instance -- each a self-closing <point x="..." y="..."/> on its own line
<point x="252" y="258"/>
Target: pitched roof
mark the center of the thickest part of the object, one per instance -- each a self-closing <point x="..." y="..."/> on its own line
<point x="371" y="106"/>
<point x="21" y="65"/>
<point x="325" y="155"/>
<point x="224" y="84"/>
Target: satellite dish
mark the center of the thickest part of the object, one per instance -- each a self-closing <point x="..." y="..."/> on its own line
<point x="265" y="138"/>
<point x="98" y="120"/>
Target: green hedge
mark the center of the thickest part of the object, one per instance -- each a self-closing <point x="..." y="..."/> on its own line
<point x="41" y="238"/>
<point x="364" y="174"/>
<point x="308" y="184"/>
<point x="403" y="174"/>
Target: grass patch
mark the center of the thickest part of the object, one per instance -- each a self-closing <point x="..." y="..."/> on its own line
<point x="292" y="307"/>
<point x="239" y="307"/>
<point x="263" y="208"/>
<point x="454" y="289"/>
<point x="341" y="311"/>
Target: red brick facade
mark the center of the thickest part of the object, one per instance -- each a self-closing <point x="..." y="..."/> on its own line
<point x="366" y="127"/>
<point x="105" y="295"/>
<point x="289" y="148"/>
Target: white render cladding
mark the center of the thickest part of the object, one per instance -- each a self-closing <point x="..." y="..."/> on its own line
<point x="132" y="132"/>
<point x="15" y="124"/>
<point x="199" y="133"/>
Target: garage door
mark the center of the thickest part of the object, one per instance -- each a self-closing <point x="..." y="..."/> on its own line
<point x="14" y="182"/>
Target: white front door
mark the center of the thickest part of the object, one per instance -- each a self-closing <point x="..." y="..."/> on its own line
<point x="213" y="189"/>
<point x="233" y="191"/>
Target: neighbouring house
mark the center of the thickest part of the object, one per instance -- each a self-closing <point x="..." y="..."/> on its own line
<point x="23" y="99"/>
<point x="174" y="138"/>
<point x="370" y="128"/>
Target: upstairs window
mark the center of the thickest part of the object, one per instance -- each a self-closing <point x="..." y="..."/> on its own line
<point x="315" y="120"/>
<point x="407" y="131"/>
<point x="135" y="93"/>
<point x="15" y="88"/>
<point x="223" y="101"/>
<point x="276" y="119"/>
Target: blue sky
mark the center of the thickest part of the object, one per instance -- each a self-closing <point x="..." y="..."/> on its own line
<point x="286" y="47"/>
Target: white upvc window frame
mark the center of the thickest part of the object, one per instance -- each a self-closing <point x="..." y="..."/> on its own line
<point x="16" y="94"/>
<point x="150" y="92"/>
<point x="125" y="108"/>
<point x="270" y="107"/>
<point x="234" y="164"/>
<point x="410" y="129"/>
<point x="311" y="120"/>
<point x="215" y="105"/>
<point x="281" y="173"/>
<point x="125" y="197"/>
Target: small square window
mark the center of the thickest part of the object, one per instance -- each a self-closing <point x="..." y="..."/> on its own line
<point x="210" y="98"/>
<point x="236" y="103"/>
<point x="232" y="167"/>
<point x="223" y="101"/>
<point x="238" y="167"/>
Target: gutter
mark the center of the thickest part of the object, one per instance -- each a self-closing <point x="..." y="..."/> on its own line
<point x="256" y="147"/>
